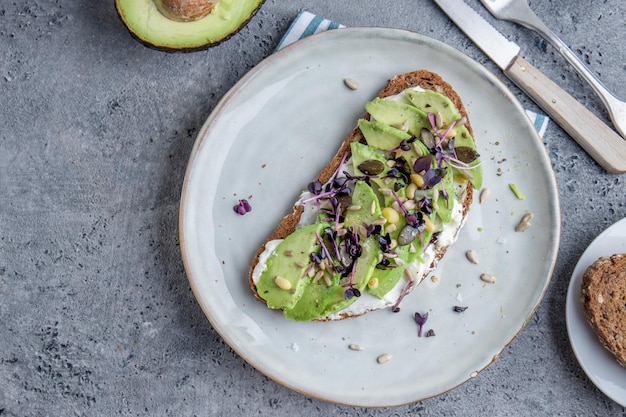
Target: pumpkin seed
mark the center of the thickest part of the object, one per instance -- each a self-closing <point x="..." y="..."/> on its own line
<point x="371" y="167"/>
<point x="407" y="235"/>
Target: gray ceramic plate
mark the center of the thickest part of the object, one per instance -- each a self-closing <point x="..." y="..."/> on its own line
<point x="272" y="134"/>
<point x="599" y="365"/>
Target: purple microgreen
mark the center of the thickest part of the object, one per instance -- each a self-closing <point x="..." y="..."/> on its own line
<point x="353" y="247"/>
<point x="404" y="145"/>
<point x="433" y="239"/>
<point x="325" y="251"/>
<point x="315" y="258"/>
<point x="420" y="319"/>
<point x="338" y="170"/>
<point x="459" y="309"/>
<point x="372" y="229"/>
<point x="332" y="237"/>
<point x="432" y="177"/>
<point x="445" y="135"/>
<point x="433" y="121"/>
<point x="443" y="193"/>
<point x="384" y="242"/>
<point x="407" y="288"/>
<point x="385" y="264"/>
<point x="351" y="292"/>
<point x="242" y="207"/>
<point x="426" y="205"/>
<point x="423" y="164"/>
<point x="460" y="162"/>
<point x="315" y="187"/>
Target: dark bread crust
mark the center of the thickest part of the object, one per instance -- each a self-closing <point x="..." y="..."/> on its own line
<point x="422" y="78"/>
<point x="603" y="298"/>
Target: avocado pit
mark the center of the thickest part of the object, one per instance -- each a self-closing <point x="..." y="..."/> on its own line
<point x="185" y="10"/>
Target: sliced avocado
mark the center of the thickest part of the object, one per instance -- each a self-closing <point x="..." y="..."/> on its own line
<point x="474" y="174"/>
<point x="396" y="114"/>
<point x="389" y="277"/>
<point x="362" y="153"/>
<point x="146" y="23"/>
<point x="366" y="263"/>
<point x="319" y="299"/>
<point x="368" y="207"/>
<point x="313" y="300"/>
<point x="432" y="102"/>
<point x="364" y="269"/>
<point x="290" y="261"/>
<point x="379" y="135"/>
<point x="444" y="207"/>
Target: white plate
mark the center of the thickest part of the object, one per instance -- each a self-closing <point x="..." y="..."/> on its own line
<point x="271" y="135"/>
<point x="598" y="363"/>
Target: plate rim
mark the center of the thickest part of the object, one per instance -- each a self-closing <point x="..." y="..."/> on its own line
<point x="553" y="209"/>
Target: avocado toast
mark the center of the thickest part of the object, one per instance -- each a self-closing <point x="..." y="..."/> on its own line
<point x="381" y="214"/>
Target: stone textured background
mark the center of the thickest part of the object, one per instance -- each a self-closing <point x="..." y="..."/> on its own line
<point x="96" y="315"/>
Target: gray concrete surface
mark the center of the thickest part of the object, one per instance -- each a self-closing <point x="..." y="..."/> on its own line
<point x="96" y="314"/>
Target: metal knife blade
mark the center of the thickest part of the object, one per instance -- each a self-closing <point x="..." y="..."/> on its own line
<point x="493" y="43"/>
<point x="593" y="135"/>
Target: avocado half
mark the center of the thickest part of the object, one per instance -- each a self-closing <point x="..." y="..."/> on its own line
<point x="153" y="29"/>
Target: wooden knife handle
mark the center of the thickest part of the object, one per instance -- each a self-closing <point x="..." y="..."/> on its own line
<point x="604" y="145"/>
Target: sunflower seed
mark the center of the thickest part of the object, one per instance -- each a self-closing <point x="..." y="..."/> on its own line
<point x="524" y="223"/>
<point x="351" y="83"/>
<point x="472" y="256"/>
<point x="385" y="357"/>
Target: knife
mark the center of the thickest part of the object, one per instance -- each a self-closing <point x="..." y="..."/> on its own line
<point x="605" y="146"/>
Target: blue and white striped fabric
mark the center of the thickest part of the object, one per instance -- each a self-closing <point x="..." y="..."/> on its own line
<point x="307" y="23"/>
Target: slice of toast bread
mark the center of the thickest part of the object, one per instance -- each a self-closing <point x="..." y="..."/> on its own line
<point x="419" y="78"/>
<point x="603" y="298"/>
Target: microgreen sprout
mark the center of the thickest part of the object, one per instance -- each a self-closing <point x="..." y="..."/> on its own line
<point x="335" y="186"/>
<point x="242" y="207"/>
<point x="351" y="291"/>
<point x="457" y="157"/>
<point x="420" y="319"/>
<point x="423" y="163"/>
<point x="404" y="145"/>
<point x="407" y="288"/>
<point x="325" y="251"/>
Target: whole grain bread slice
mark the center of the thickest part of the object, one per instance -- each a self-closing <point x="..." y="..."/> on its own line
<point x="603" y="298"/>
<point x="425" y="79"/>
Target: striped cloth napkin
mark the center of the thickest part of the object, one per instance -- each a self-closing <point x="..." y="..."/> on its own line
<point x="307" y="23"/>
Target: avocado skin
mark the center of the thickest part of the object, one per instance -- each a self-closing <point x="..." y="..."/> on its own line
<point x="136" y="33"/>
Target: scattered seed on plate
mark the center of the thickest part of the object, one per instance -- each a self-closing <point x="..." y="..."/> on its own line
<point x="472" y="256"/>
<point x="483" y="195"/>
<point x="524" y="223"/>
<point x="385" y="357"/>
<point x="354" y="346"/>
<point x="352" y="84"/>
<point x="488" y="278"/>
